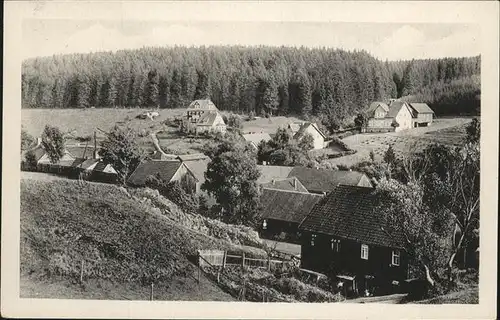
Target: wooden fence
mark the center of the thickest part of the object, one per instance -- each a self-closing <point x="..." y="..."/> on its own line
<point x="222" y="258"/>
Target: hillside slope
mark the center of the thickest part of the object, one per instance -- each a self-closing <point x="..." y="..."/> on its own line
<point x="124" y="245"/>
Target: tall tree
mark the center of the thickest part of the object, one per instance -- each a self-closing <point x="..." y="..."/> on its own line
<point x="203" y="86"/>
<point x="53" y="143"/>
<point x="120" y="148"/>
<point x="232" y="178"/>
<point x="152" y="90"/>
<point x="299" y="91"/>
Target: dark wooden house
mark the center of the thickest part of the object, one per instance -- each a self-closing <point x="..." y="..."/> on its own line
<point x="282" y="211"/>
<point x="344" y="236"/>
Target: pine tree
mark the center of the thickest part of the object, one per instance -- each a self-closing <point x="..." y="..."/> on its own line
<point x="175" y="100"/>
<point x="269" y="101"/>
<point x="163" y="91"/>
<point x="203" y="86"/>
<point x="152" y="90"/>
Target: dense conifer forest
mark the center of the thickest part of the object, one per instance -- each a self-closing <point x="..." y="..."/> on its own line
<point x="277" y="80"/>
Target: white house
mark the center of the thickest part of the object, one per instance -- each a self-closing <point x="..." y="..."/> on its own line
<point x="312" y="129"/>
<point x="205" y="116"/>
<point x="395" y="117"/>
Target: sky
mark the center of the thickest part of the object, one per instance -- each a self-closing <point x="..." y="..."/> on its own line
<point x="386" y="41"/>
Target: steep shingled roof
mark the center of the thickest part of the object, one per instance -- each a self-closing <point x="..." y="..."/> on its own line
<point x="323" y="180"/>
<point x="374" y="105"/>
<point x="286" y="205"/>
<point x="166" y="170"/>
<point x="348" y="212"/>
<point x="304" y="127"/>
<point x="394" y="108"/>
<point x="205" y="104"/>
<point x="421" y="107"/>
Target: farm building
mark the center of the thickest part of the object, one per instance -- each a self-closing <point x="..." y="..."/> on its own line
<point x="205" y="116"/>
<point x="290" y="184"/>
<point x="343" y="235"/>
<point x="314" y="180"/>
<point x="300" y="129"/>
<point x="255" y="138"/>
<point x="422" y="114"/>
<point x="95" y="170"/>
<point x="169" y="171"/>
<point x="323" y="180"/>
<point x="197" y="164"/>
<point x="383" y="118"/>
<point x="282" y="211"/>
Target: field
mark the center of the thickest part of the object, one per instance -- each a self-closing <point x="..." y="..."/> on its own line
<point x="449" y="131"/>
<point x="83" y="122"/>
<point x="267" y="125"/>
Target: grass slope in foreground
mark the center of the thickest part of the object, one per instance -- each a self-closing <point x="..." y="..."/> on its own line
<point x="125" y="245"/>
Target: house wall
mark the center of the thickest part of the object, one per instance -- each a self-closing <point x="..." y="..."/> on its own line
<point x="184" y="176"/>
<point x="380" y="112"/>
<point x="365" y="182"/>
<point x="319" y="141"/>
<point x="404" y="118"/>
<point x="379" y="125"/>
<point x="109" y="169"/>
<point x="425" y="118"/>
<point x="322" y="258"/>
<point x="194" y="115"/>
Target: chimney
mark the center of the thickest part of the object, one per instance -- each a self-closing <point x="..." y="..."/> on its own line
<point x="273" y="182"/>
<point x="295" y="183"/>
<point x="38" y="141"/>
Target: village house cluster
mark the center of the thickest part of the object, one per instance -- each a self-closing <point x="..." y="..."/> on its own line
<point x="397" y="115"/>
<point x="330" y="214"/>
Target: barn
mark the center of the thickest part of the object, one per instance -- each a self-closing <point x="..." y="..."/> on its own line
<point x="422" y="114"/>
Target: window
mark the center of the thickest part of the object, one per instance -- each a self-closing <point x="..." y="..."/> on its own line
<point x="396" y="257"/>
<point x="335" y="244"/>
<point x="313" y="238"/>
<point x="364" y="251"/>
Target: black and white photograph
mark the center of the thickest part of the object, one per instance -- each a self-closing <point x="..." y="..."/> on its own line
<point x="260" y="160"/>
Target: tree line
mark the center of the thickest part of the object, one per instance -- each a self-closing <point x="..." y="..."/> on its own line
<point x="331" y="83"/>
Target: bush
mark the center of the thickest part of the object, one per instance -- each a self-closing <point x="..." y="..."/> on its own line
<point x="233" y="121"/>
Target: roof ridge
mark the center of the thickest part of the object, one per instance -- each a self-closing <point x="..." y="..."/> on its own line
<point x="293" y="191"/>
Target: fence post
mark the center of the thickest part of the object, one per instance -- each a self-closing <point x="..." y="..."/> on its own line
<point x="199" y="266"/>
<point x="81" y="271"/>
<point x="224" y="259"/>
<point x="151" y="295"/>
<point x="268" y="263"/>
<point x="243" y="259"/>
